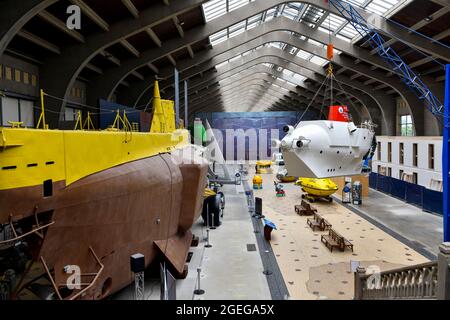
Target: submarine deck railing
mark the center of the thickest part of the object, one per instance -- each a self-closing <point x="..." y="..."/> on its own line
<point x="424" y="281"/>
<point x="96" y="275"/>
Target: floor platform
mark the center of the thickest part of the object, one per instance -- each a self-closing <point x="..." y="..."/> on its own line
<point x="423" y="230"/>
<point x="310" y="270"/>
<point x="232" y="268"/>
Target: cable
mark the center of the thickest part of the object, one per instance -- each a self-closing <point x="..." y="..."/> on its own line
<point x="312" y="100"/>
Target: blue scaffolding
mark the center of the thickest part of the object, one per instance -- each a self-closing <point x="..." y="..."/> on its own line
<point x="388" y="54"/>
<point x="414" y="83"/>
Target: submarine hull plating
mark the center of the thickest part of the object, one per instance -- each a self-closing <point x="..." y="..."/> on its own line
<point x="117" y="212"/>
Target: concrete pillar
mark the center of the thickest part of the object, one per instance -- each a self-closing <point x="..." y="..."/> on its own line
<point x="443" y="290"/>
<point x="359" y="283"/>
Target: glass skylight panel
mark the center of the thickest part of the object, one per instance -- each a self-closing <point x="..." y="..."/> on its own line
<point x="333" y="22"/>
<point x="356" y="2"/>
<point x="299" y="77"/>
<point x="343" y="38"/>
<point x="318" y="60"/>
<point x="234" y="58"/>
<point x="348" y="31"/>
<point x="290" y="13"/>
<point x="316" y="43"/>
<point x="236" y="29"/>
<point x="214" y="8"/>
<point x="303" y="54"/>
<point x="380" y="6"/>
<point x="220" y="65"/>
<point x="270" y="14"/>
<point x="313" y="14"/>
<point x="278" y="45"/>
<point x="234" y="4"/>
<point x="288" y="73"/>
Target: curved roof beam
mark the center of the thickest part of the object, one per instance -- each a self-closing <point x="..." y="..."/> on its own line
<point x="385" y="103"/>
<point x="258" y="36"/>
<point x="58" y="74"/>
<point x="270" y="32"/>
<point x="249" y="66"/>
<point x="60" y="81"/>
<point x="232" y="87"/>
<point x="256" y="67"/>
<point x="231" y="84"/>
<point x="304" y="90"/>
<point x="280" y="36"/>
<point x="14" y="16"/>
<point x="311" y="71"/>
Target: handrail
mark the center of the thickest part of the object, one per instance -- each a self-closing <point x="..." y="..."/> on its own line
<point x="95" y="278"/>
<point x="97" y="274"/>
<point x="403" y="269"/>
<point x="35" y="230"/>
<point x="413" y="282"/>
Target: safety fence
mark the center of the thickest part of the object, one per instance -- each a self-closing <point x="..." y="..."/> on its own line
<point x="424" y="198"/>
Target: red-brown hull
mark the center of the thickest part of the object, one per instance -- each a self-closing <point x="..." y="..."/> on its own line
<point x="117" y="212"/>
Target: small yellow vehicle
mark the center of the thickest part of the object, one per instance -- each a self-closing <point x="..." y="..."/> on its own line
<point x="257" y="183"/>
<point x="263" y="167"/>
<point x="317" y="188"/>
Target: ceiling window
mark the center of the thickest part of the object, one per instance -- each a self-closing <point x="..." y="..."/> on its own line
<point x="216" y="8"/>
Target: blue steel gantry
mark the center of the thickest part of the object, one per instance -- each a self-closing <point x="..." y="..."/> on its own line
<point x="414" y="83"/>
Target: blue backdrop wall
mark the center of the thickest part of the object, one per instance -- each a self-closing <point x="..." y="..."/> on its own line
<point x="271" y="122"/>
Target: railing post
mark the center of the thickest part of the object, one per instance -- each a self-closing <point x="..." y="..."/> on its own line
<point x="443" y="289"/>
<point x="359" y="283"/>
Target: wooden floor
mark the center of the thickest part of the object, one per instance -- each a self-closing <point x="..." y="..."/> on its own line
<point x="309" y="269"/>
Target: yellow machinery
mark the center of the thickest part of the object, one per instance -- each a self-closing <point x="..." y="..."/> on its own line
<point x="283" y="176"/>
<point x="317" y="188"/>
<point x="263" y="167"/>
<point x="30" y="156"/>
<point x="257" y="182"/>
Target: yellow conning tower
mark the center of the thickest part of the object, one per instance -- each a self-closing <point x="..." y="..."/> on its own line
<point x="28" y="157"/>
<point x="163" y="113"/>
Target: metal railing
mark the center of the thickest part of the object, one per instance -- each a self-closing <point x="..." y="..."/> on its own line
<point x="424" y="281"/>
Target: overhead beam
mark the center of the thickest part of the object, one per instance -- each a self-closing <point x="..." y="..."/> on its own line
<point x="153" y="68"/>
<point x="177" y="24"/>
<point x="436" y="15"/>
<point x="129" y="47"/>
<point x="13" y="17"/>
<point x="191" y="52"/>
<point x="138" y="75"/>
<point x="91" y="14"/>
<point x="45" y="15"/>
<point x="272" y="31"/>
<point x="172" y="60"/>
<point x="58" y="74"/>
<point x="110" y="57"/>
<point x="96" y="69"/>
<point x="154" y="37"/>
<point x="39" y="41"/>
<point x="132" y="8"/>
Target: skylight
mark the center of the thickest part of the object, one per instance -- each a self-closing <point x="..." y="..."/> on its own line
<point x="216" y="8"/>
